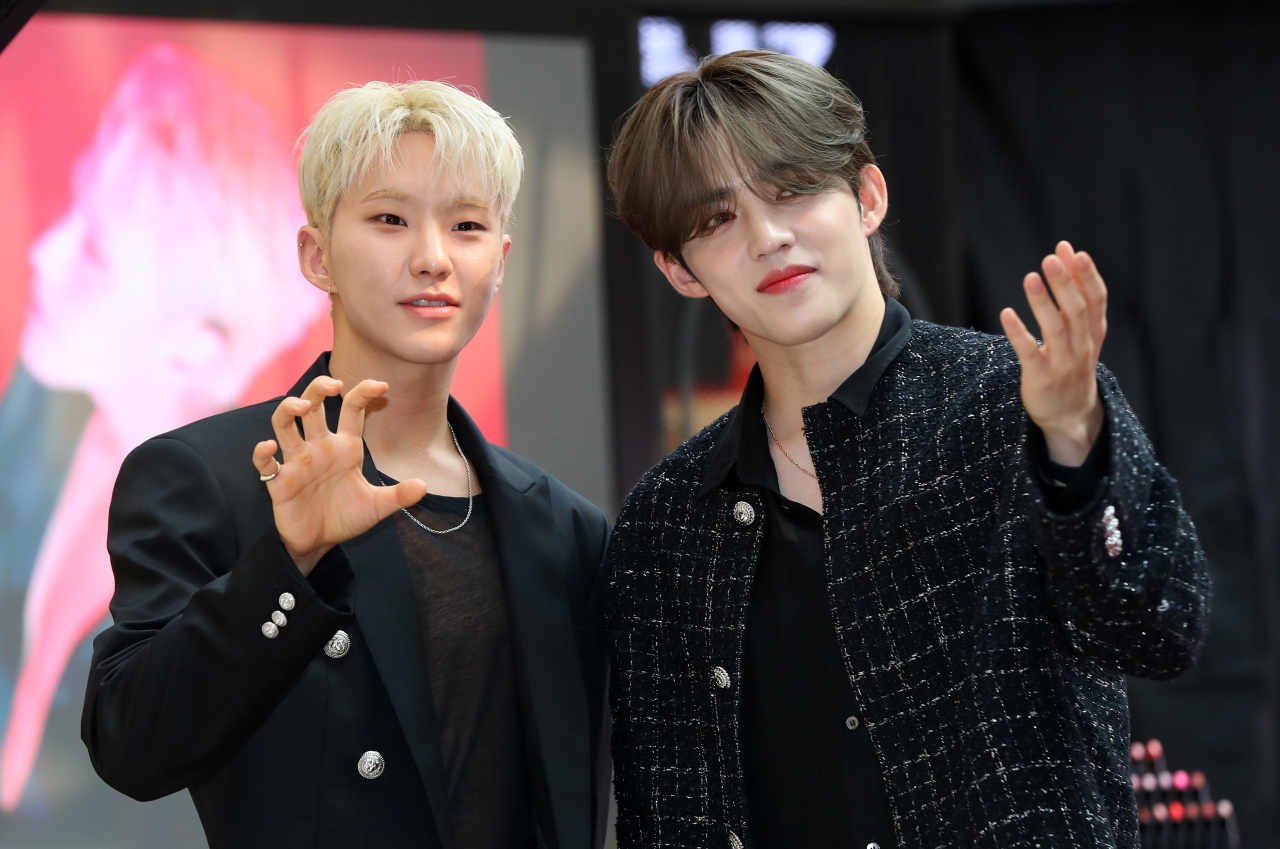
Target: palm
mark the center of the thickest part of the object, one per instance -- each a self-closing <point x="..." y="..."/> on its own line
<point x="1059" y="378"/>
<point x="320" y="496"/>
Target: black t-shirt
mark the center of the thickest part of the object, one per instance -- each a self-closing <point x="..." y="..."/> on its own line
<point x="458" y="581"/>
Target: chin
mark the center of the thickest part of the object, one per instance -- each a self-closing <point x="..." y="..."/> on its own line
<point x="797" y="332"/>
<point x="433" y="352"/>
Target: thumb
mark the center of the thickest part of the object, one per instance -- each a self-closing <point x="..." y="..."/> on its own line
<point x="389" y="499"/>
<point x="409" y="492"/>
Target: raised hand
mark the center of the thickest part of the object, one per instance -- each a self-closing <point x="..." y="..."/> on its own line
<point x="1059" y="380"/>
<point x="320" y="496"/>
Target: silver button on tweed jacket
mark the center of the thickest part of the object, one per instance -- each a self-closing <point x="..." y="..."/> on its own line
<point x="984" y="635"/>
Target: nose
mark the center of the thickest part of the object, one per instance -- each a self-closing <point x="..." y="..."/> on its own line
<point x="430" y="257"/>
<point x="768" y="231"/>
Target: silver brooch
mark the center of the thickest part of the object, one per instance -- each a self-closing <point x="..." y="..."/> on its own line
<point x="1113" y="542"/>
<point x="338" y="645"/>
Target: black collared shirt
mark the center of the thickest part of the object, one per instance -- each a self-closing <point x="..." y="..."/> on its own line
<point x="812" y="775"/>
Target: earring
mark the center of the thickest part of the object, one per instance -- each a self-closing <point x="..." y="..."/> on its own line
<point x="330" y="290"/>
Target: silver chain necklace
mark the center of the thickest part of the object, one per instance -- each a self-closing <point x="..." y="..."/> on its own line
<point x="470" y="494"/>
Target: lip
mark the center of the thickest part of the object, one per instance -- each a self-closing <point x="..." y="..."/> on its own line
<point x="444" y="306"/>
<point x="786" y="279"/>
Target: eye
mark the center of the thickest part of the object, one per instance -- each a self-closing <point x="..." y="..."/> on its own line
<point x="717" y="219"/>
<point x="393" y="220"/>
<point x="468" y="227"/>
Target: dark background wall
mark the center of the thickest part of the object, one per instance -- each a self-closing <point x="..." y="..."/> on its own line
<point x="1146" y="133"/>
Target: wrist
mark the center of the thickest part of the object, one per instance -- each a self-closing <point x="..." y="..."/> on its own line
<point x="307" y="561"/>
<point x="1070" y="441"/>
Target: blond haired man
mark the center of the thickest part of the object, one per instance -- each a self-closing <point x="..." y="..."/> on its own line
<point x="375" y="628"/>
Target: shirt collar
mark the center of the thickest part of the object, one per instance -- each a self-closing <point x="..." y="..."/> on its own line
<point x="738" y="449"/>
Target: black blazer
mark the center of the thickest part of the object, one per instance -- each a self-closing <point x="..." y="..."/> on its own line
<point x="186" y="691"/>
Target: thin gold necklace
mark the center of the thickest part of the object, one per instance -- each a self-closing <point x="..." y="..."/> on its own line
<point x="780" y="448"/>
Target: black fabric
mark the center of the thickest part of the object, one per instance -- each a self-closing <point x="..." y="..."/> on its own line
<point x="1068" y="488"/>
<point x="810" y="779"/>
<point x="1146" y="133"/>
<point x="185" y="691"/>
<point x="458" y="583"/>
<point x="985" y="634"/>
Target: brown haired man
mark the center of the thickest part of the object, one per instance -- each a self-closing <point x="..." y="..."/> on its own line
<point x="890" y="598"/>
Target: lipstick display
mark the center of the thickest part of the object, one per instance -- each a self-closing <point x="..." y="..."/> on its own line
<point x="1176" y="809"/>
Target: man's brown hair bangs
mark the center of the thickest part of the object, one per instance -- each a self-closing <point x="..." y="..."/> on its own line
<point x="766" y="120"/>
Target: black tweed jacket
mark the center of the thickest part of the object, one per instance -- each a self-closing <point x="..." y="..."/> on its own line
<point x="986" y="637"/>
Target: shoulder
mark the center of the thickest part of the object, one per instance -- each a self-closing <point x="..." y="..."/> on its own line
<point x="588" y="516"/>
<point x="219" y="433"/>
<point x="957" y="349"/>
<point x="943" y="366"/>
<point x="676" y="478"/>
<point x="220" y="446"/>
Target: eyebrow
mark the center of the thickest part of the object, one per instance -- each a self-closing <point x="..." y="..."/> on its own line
<point x="464" y="202"/>
<point x="468" y="201"/>
<point x="713" y="196"/>
<point x="388" y="194"/>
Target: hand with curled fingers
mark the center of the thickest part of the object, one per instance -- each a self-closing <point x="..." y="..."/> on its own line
<point x="1059" y="379"/>
<point x="319" y="493"/>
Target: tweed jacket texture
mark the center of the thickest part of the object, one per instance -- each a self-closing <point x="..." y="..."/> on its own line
<point x="986" y="637"/>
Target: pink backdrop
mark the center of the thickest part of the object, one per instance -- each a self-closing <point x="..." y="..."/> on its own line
<point x="56" y="79"/>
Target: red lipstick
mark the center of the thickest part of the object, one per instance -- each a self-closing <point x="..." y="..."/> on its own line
<point x="786" y="279"/>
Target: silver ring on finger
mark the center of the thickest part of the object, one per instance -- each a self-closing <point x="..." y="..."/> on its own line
<point x="272" y="476"/>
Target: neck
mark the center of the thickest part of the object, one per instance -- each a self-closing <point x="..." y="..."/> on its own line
<point x="409" y="423"/>
<point x="798" y="376"/>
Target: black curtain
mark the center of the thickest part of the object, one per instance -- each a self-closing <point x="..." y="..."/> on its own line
<point x="902" y="73"/>
<point x="1149" y="134"/>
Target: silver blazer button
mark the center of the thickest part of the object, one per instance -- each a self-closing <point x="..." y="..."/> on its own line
<point x="286" y="601"/>
<point x="338" y="645"/>
<point x="269" y="630"/>
<point x="279" y="618"/>
<point x="735" y="842"/>
<point x="744" y="513"/>
<point x="720" y="678"/>
<point x="371" y="764"/>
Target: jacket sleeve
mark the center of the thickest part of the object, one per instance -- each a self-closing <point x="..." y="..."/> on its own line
<point x="185" y="674"/>
<point x="1125" y="575"/>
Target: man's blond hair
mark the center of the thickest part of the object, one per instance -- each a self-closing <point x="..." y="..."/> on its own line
<point x="357" y="130"/>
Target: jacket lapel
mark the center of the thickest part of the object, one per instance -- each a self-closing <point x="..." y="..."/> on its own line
<point x="386" y="607"/>
<point x="552" y="691"/>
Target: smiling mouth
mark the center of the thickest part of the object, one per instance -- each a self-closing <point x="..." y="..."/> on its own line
<point x="423" y="302"/>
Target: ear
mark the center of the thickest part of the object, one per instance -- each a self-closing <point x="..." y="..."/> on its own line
<point x="311" y="258"/>
<point x="502" y="264"/>
<point x="680" y="279"/>
<point x="873" y="195"/>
